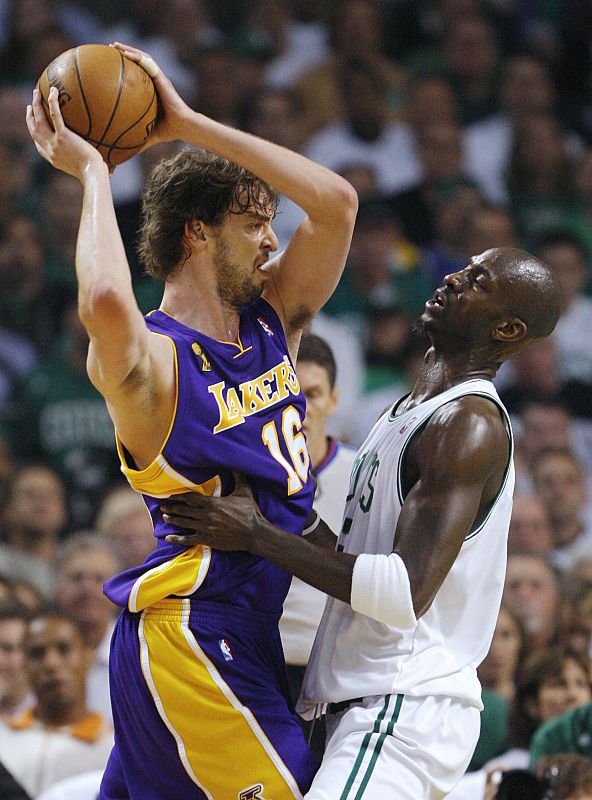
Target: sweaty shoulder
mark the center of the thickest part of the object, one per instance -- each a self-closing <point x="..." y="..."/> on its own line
<point x="467" y="435"/>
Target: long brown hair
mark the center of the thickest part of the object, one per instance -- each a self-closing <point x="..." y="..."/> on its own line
<point x="193" y="185"/>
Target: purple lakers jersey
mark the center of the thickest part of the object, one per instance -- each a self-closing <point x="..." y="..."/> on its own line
<point x="238" y="408"/>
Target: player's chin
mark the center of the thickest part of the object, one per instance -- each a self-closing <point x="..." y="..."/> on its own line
<point x="251" y="292"/>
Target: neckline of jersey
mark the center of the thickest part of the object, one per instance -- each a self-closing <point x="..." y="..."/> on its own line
<point x="193" y="332"/>
<point x="394" y="417"/>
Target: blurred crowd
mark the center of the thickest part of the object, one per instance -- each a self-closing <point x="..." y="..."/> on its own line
<point x="463" y="125"/>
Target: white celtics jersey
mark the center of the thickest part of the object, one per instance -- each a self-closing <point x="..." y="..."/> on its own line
<point x="355" y="656"/>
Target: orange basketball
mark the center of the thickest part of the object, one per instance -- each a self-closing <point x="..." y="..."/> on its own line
<point x="104" y="97"/>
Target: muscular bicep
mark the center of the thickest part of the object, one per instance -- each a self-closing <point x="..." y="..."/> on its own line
<point x="460" y="462"/>
<point x="305" y="275"/>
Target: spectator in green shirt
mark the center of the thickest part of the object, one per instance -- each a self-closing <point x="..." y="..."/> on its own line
<point x="570" y="732"/>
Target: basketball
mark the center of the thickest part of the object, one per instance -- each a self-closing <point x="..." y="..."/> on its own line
<point x="104" y="97"/>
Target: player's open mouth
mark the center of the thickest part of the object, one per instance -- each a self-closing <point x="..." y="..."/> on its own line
<point x="436" y="300"/>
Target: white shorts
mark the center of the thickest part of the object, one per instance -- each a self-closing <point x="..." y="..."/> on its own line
<point x="398" y="746"/>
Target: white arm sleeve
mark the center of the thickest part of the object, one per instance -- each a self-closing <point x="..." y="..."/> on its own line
<point x="380" y="590"/>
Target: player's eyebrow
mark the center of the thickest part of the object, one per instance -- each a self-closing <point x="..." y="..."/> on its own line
<point x="257" y="215"/>
<point x="480" y="268"/>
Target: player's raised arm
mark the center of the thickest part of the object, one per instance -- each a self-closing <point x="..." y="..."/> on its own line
<point x="106" y="301"/>
<point x="308" y="271"/>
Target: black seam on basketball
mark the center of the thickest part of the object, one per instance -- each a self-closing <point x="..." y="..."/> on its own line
<point x="80" y="86"/>
<point x="115" y="146"/>
<point x="114" y="111"/>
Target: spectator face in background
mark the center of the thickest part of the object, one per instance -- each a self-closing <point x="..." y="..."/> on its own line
<point x="321" y="403"/>
<point x="544" y="426"/>
<point x="539" y="371"/>
<point x="566" y="689"/>
<point x="470" y="49"/>
<point x="79" y="587"/>
<point x="490" y="227"/>
<point x="274" y="115"/>
<point x="57" y="662"/>
<point x="531" y="587"/>
<point x="498" y="669"/>
<point x="21" y="259"/>
<point x="441" y="152"/>
<point x="431" y="102"/>
<point x="452" y="213"/>
<point x="364" y="101"/>
<point x="550" y="681"/>
<point x="37" y="504"/>
<point x="527" y="87"/>
<point x="371" y="254"/>
<point x="357" y="30"/>
<point x="568" y="262"/>
<point x="573" y="775"/>
<point x="124" y="521"/>
<point x="540" y="163"/>
<point x="218" y="97"/>
<point x="530" y="527"/>
<point x="14" y="686"/>
<point x="560" y="482"/>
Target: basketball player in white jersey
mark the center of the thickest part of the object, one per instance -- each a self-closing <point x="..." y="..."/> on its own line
<point x="417" y="573"/>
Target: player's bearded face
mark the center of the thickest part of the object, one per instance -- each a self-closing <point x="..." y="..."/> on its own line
<point x="237" y="285"/>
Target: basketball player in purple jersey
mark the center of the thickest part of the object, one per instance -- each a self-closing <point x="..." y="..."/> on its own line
<point x="202" y="387"/>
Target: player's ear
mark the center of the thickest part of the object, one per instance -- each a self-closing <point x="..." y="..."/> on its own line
<point x="510" y="330"/>
<point x="335" y="395"/>
<point x="194" y="231"/>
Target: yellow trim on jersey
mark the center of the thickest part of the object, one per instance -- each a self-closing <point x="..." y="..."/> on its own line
<point x="202" y="706"/>
<point x="141" y="479"/>
<point x="182" y="575"/>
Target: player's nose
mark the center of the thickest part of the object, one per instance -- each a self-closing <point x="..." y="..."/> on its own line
<point x="454" y="280"/>
<point x="270" y="240"/>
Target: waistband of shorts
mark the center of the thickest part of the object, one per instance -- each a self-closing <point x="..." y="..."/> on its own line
<point x="175" y="609"/>
<point x="335" y="708"/>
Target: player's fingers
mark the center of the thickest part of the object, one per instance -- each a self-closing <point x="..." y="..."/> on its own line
<point x="30" y="120"/>
<point x="140" y="57"/>
<point x="187" y="540"/>
<point x="128" y="48"/>
<point x="185" y="502"/>
<point x="38" y="126"/>
<point x="177" y="518"/>
<point x="54" y="110"/>
<point x="39" y="117"/>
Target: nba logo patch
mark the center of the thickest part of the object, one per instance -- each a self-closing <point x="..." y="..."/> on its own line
<point x="265" y="326"/>
<point x="226" y="651"/>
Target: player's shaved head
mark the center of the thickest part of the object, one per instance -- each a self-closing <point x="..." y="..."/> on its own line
<point x="533" y="292"/>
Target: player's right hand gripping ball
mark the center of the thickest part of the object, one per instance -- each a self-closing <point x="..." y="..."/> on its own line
<point x="104" y="97"/>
